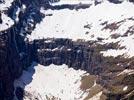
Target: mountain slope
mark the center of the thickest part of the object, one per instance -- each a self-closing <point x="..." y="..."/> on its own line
<point x="83" y="50"/>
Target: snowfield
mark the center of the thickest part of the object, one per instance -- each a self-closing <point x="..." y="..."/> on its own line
<point x="51" y="81"/>
<point x="90" y="24"/>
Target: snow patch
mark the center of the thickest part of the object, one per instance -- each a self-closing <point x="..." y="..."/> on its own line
<point x="6" y="4"/>
<point x="112" y="52"/>
<point x="62" y="2"/>
<point x="6" y="22"/>
<point x="125" y="88"/>
<point x="96" y="97"/>
<point x="126" y="71"/>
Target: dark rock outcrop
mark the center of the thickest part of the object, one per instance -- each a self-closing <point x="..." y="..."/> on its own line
<point x="14" y="50"/>
<point x="78" y="54"/>
<point x="10" y="66"/>
<point x="0" y="18"/>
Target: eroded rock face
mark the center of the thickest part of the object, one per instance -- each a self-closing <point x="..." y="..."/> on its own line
<point x="13" y="48"/>
<point x="86" y="55"/>
<point x="64" y="51"/>
<point x="10" y="67"/>
<point x="0" y="18"/>
<point x="78" y="54"/>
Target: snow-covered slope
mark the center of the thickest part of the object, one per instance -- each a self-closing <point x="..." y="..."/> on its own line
<point x="58" y="82"/>
<point x="99" y="36"/>
<point x="101" y="21"/>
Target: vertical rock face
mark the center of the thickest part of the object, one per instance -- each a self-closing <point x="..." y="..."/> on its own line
<point x="15" y="52"/>
<point x="10" y="67"/>
<point x="78" y="54"/>
<point x="13" y="48"/>
<point x="0" y="18"/>
<point x="64" y="51"/>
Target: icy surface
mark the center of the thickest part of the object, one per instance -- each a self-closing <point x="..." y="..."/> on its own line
<point x="58" y="81"/>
